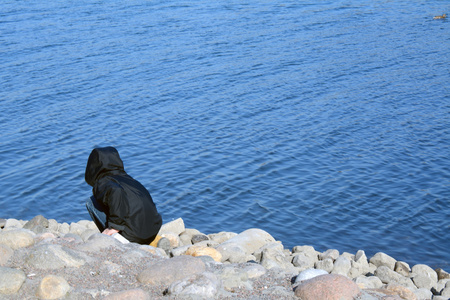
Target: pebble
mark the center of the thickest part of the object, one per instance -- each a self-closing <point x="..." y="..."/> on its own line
<point x="188" y="264"/>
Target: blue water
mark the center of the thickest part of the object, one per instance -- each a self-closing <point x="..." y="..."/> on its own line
<point x="326" y="123"/>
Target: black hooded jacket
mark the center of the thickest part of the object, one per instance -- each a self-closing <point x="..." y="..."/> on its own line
<point x="130" y="208"/>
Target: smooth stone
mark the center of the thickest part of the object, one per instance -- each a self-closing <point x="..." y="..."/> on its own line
<point x="360" y="257"/>
<point x="382" y="259"/>
<point x="303" y="261"/>
<point x="249" y="240"/>
<point x="170" y="270"/>
<point x="197" y="238"/>
<point x="358" y="269"/>
<point x="326" y="264"/>
<point x="17" y="238"/>
<point x="402" y="268"/>
<point x="39" y="220"/>
<point x="446" y="291"/>
<point x="330" y="253"/>
<point x="48" y="256"/>
<point x="202" y="251"/>
<point x="186" y="239"/>
<point x="442" y="274"/>
<point x="425" y="270"/>
<point x="423" y="294"/>
<point x="13" y="223"/>
<point x="309" y="274"/>
<point x="390" y="276"/>
<point x="5" y="254"/>
<point x="52" y="287"/>
<point x="204" y="285"/>
<point x="441" y="285"/>
<point x="402" y="291"/>
<point x="176" y="227"/>
<point x="11" y="280"/>
<point x="423" y="282"/>
<point x="368" y="282"/>
<point x="85" y="235"/>
<point x="222" y="236"/>
<point x="341" y="266"/>
<point x="327" y="287"/>
<point x="135" y="294"/>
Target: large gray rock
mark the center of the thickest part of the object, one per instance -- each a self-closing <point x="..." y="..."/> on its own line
<point x="176" y="227"/>
<point x="233" y="253"/>
<point x="307" y="251"/>
<point x="327" y="287"/>
<point x="5" y="254"/>
<point x="16" y="238"/>
<point x="13" y="223"/>
<point x="254" y="270"/>
<point x="359" y="265"/>
<point x="171" y="270"/>
<point x="368" y="282"/>
<point x="382" y="259"/>
<point x="249" y="240"/>
<point x="50" y="257"/>
<point x="11" y="280"/>
<point x="326" y="264"/>
<point x="204" y="285"/>
<point x="303" y="261"/>
<point x="387" y="275"/>
<point x="425" y="276"/>
<point x="273" y="256"/>
<point x="36" y="221"/>
<point x="341" y="266"/>
<point x="52" y="287"/>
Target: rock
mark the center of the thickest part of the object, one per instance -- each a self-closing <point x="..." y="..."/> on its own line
<point x="16" y="238"/>
<point x="423" y="281"/>
<point x="421" y="271"/>
<point x="254" y="270"/>
<point x="186" y="239"/>
<point x="176" y="227"/>
<point x="52" y="287"/>
<point x="201" y="251"/>
<point x="402" y="268"/>
<point x="77" y="229"/>
<point x="309" y="274"/>
<point x="233" y="253"/>
<point x="442" y="274"/>
<point x="2" y="222"/>
<point x="171" y="270"/>
<point x="13" y="223"/>
<point x="63" y="228"/>
<point x="402" y="291"/>
<point x="5" y="254"/>
<point x="197" y="238"/>
<point x="233" y="278"/>
<point x="249" y="240"/>
<point x="135" y="294"/>
<point x="153" y="250"/>
<point x="173" y="239"/>
<point x="423" y="294"/>
<point x="273" y="256"/>
<point x="302" y="261"/>
<point x="180" y="250"/>
<point x="221" y="236"/>
<point x="330" y="253"/>
<point x="36" y="221"/>
<point x="11" y="280"/>
<point x="203" y="285"/>
<point x="308" y="251"/>
<point x="387" y="275"/>
<point x="47" y="256"/>
<point x="277" y="292"/>
<point x="341" y="266"/>
<point x="85" y="235"/>
<point x="53" y="225"/>
<point x="360" y="257"/>
<point x="98" y="241"/>
<point x="327" y="287"/>
<point x="326" y="264"/>
<point x="370" y="282"/>
<point x="446" y="291"/>
<point x="440" y="286"/>
<point x="382" y="259"/>
<point x="359" y="265"/>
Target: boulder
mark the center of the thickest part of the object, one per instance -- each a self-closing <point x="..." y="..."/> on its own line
<point x="98" y="241"/>
<point x="273" y="256"/>
<point x="48" y="256"/>
<point x="36" y="221"/>
<point x="387" y="275"/>
<point x="425" y="271"/>
<point x="13" y="223"/>
<point x="423" y="294"/>
<point x="254" y="270"/>
<point x="52" y="287"/>
<point x="233" y="278"/>
<point x="442" y="274"/>
<point x="233" y="253"/>
<point x="176" y="227"/>
<point x="341" y="266"/>
<point x="11" y="280"/>
<point x="327" y="287"/>
<point x="171" y="270"/>
<point x="204" y="285"/>
<point x="197" y="238"/>
<point x="17" y="238"/>
<point x="382" y="259"/>
<point x="307" y="251"/>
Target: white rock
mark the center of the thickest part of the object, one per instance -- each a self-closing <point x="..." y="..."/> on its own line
<point x="423" y="294"/>
<point x="17" y="238"/>
<point x="382" y="259"/>
<point x="308" y="274"/>
<point x="249" y="240"/>
<point x="13" y="223"/>
<point x="330" y="253"/>
<point x="175" y="226"/>
<point x="370" y="282"/>
<point x="341" y="266"/>
<point x="326" y="264"/>
<point x="11" y="280"/>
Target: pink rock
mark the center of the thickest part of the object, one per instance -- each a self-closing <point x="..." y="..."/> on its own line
<point x="327" y="287"/>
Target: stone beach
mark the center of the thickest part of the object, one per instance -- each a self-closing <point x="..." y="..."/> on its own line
<point x="44" y="259"/>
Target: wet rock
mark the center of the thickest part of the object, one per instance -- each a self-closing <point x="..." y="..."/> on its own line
<point x="170" y="270"/>
<point x="309" y="274"/>
<point x="5" y="254"/>
<point x="402" y="291"/>
<point x="201" y="251"/>
<point x="341" y="266"/>
<point x="11" y="280"/>
<point x="49" y="256"/>
<point x="176" y="227"/>
<point x="197" y="238"/>
<point x="327" y="287"/>
<point x="368" y="282"/>
<point x="204" y="285"/>
<point x="326" y="264"/>
<point x="135" y="294"/>
<point x="382" y="259"/>
<point x="52" y="287"/>
<point x="402" y="268"/>
<point x="16" y="238"/>
<point x="330" y="253"/>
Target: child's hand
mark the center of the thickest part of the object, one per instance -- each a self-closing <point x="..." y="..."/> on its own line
<point x="110" y="231"/>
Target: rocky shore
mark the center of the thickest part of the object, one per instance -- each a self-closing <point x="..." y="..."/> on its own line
<point x="44" y="259"/>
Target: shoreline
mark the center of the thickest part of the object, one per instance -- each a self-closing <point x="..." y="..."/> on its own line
<point x="50" y="260"/>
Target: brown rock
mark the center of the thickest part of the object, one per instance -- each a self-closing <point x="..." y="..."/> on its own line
<point x="170" y="270"/>
<point x="135" y="294"/>
<point x="442" y="274"/>
<point x="327" y="287"/>
<point x="402" y="268"/>
<point x="201" y="251"/>
<point x="52" y="287"/>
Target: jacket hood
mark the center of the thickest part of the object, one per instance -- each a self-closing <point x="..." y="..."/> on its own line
<point x="101" y="162"/>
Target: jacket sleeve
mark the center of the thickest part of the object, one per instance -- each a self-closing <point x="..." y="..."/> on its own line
<point x="114" y="198"/>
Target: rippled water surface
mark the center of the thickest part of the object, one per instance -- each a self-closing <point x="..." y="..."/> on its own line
<point x="326" y="123"/>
